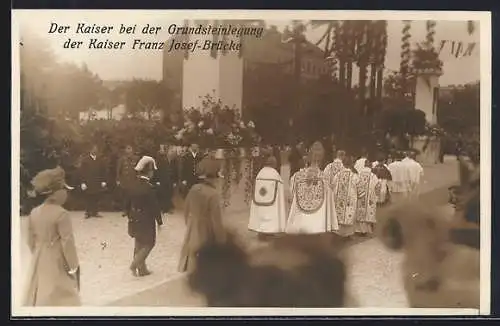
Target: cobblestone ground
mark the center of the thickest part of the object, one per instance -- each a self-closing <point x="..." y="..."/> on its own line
<point x="105" y="252"/>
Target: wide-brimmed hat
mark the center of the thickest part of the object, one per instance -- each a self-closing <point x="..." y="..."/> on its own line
<point x="49" y="181"/>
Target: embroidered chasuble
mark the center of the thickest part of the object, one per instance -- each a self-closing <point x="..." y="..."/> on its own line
<point x="311" y="203"/>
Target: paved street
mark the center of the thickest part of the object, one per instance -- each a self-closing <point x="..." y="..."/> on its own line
<point x="105" y="252"/>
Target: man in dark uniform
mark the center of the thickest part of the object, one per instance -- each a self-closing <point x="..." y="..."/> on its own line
<point x="296" y="158"/>
<point x="188" y="168"/>
<point x="92" y="181"/>
<point x="165" y="178"/>
<point x="125" y="173"/>
<point x="143" y="211"/>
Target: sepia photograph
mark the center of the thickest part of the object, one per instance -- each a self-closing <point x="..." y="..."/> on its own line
<point x="234" y="162"/>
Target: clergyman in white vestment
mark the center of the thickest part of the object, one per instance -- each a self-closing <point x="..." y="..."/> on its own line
<point x="336" y="166"/>
<point x="345" y="194"/>
<point x="361" y="162"/>
<point x="366" y="210"/>
<point x="414" y="174"/>
<point x="268" y="210"/>
<point x="311" y="211"/>
<point x="398" y="186"/>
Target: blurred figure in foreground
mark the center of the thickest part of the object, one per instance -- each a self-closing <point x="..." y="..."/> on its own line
<point x="202" y="213"/>
<point x="143" y="213"/>
<point x="53" y="277"/>
<point x="441" y="266"/>
<point x="293" y="271"/>
<point x="268" y="210"/>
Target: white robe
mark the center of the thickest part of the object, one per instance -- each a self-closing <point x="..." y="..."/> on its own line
<point x="414" y="173"/>
<point x="345" y="197"/>
<point x="311" y="211"/>
<point x="368" y="184"/>
<point x="398" y="185"/>
<point x="360" y="164"/>
<point x="268" y="210"/>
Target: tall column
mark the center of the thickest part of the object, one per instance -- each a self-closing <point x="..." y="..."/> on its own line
<point x="426" y="94"/>
<point x="426" y="99"/>
<point x="218" y="73"/>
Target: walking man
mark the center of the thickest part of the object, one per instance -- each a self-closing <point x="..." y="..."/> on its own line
<point x="144" y="214"/>
<point x="398" y="185"/>
<point x="414" y="174"/>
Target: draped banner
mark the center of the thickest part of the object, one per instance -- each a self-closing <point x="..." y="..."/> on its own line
<point x="457" y="49"/>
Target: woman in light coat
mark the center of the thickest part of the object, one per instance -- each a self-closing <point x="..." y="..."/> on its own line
<point x="53" y="276"/>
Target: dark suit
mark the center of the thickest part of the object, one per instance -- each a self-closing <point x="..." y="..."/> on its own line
<point x="296" y="161"/>
<point x="125" y="174"/>
<point x="166" y="175"/>
<point x="92" y="173"/>
<point x="188" y="170"/>
<point x="143" y="214"/>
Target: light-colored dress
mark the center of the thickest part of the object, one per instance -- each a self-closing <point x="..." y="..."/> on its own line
<point x="51" y="242"/>
<point x="311" y="211"/>
<point x="268" y="210"/>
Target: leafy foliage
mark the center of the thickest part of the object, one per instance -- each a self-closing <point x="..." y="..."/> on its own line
<point x="459" y="111"/>
<point x="146" y="96"/>
<point x="400" y="121"/>
<point x="426" y="59"/>
<point x="215" y="125"/>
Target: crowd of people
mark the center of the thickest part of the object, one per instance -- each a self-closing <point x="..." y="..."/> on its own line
<point x="341" y="196"/>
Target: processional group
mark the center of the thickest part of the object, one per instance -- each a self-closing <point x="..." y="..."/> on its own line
<point x="341" y="197"/>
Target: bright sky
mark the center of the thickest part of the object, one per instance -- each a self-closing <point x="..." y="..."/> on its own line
<point x="127" y="64"/>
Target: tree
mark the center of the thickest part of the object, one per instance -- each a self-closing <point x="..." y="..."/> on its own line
<point x="460" y="111"/>
<point x="148" y="97"/>
<point x="73" y="89"/>
<point x="37" y="62"/>
<point x="399" y="122"/>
